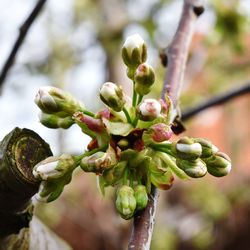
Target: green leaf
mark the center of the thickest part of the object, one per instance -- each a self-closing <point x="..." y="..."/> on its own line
<point x="118" y="128"/>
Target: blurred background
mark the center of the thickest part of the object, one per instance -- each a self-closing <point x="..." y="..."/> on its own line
<point x="75" y="45"/>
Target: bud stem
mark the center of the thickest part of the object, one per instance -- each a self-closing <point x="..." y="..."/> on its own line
<point x="125" y="177"/>
<point x="139" y="99"/>
<point x="86" y="112"/>
<point x="134" y="95"/>
<point x="127" y="115"/>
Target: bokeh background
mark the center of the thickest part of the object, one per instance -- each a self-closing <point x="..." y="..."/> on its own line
<point x="75" y="45"/>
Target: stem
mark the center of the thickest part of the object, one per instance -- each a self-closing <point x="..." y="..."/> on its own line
<point x="86" y="112"/>
<point x="127" y="115"/>
<point x="134" y="96"/>
<point x="78" y="158"/>
<point x="19" y="41"/>
<point x="216" y="100"/>
<point x="177" y="56"/>
<point x="125" y="177"/>
<point x="140" y="99"/>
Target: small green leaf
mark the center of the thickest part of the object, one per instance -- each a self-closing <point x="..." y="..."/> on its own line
<point x="118" y="128"/>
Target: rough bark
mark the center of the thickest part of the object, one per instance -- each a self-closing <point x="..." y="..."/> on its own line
<point x="20" y="150"/>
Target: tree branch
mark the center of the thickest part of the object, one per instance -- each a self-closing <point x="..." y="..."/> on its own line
<point x="19" y="41"/>
<point x="176" y="57"/>
<point x="216" y="100"/>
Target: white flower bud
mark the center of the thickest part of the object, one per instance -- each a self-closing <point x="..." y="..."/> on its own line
<point x="112" y="96"/>
<point x="149" y="110"/>
<point x="134" y="51"/>
<point x="46" y="168"/>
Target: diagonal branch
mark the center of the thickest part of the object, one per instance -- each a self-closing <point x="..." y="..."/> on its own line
<point x="216" y="100"/>
<point x="177" y="57"/>
<point x="19" y="41"/>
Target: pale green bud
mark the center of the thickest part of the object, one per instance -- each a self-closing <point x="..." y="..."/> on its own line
<point x="193" y="168"/>
<point x="54" y="167"/>
<point x="125" y="202"/>
<point x="187" y="149"/>
<point x="208" y="148"/>
<point x="218" y="164"/>
<point x="141" y="197"/>
<point x="53" y="100"/>
<point x="149" y="110"/>
<point x="54" y="121"/>
<point x="112" y="96"/>
<point x="96" y="162"/>
<point x="134" y="51"/>
<point x="144" y="79"/>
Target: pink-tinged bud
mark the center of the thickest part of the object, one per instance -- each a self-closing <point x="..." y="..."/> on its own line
<point x="112" y="96"/>
<point x="161" y="132"/>
<point x="134" y="51"/>
<point x="144" y="79"/>
<point x="93" y="124"/>
<point x="149" y="110"/>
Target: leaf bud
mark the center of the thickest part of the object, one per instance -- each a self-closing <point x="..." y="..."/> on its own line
<point x="208" y="148"/>
<point x="187" y="149"/>
<point x="112" y="96"/>
<point x="141" y="197"/>
<point x="218" y="164"/>
<point x="134" y="51"/>
<point x="193" y="168"/>
<point x="125" y="202"/>
<point x="149" y="110"/>
<point x="144" y="79"/>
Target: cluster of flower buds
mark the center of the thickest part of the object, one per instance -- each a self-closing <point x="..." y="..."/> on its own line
<point x="131" y="147"/>
<point x="129" y="200"/>
<point x="57" y="107"/>
<point x="197" y="156"/>
<point x="134" y="55"/>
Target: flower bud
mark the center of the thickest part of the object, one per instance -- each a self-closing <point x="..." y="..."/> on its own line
<point x="187" y="149"/>
<point x="149" y="110"/>
<point x="208" y="148"/>
<point x="96" y="162"/>
<point x="54" y="167"/>
<point x="53" y="121"/>
<point x="161" y="132"/>
<point x="144" y="79"/>
<point x="52" y="100"/>
<point x="112" y="96"/>
<point x="141" y="197"/>
<point x="193" y="168"/>
<point x="125" y="202"/>
<point x="218" y="164"/>
<point x="134" y="51"/>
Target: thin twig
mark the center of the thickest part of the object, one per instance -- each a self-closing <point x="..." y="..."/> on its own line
<point x="177" y="56"/>
<point x="216" y="100"/>
<point x="19" y="41"/>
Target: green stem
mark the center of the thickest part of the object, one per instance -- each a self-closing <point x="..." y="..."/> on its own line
<point x="134" y="96"/>
<point x="127" y="115"/>
<point x="86" y="112"/>
<point x="140" y="99"/>
<point x="135" y="121"/>
<point x="125" y="177"/>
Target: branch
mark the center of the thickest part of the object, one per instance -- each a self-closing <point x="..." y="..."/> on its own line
<point x="217" y="100"/>
<point x="20" y="150"/>
<point x="176" y="57"/>
<point x="178" y="50"/>
<point x="19" y="41"/>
